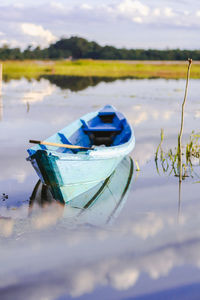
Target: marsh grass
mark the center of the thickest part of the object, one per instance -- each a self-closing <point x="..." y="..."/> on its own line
<point x="181" y="160"/>
<point x="33" y="69"/>
<point x="168" y="162"/>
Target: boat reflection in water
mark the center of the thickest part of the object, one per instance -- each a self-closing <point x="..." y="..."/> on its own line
<point x="97" y="206"/>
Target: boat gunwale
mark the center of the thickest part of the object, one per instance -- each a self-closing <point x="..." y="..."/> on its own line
<point x="98" y="153"/>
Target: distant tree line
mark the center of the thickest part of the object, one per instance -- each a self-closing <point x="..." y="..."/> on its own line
<point x="77" y="48"/>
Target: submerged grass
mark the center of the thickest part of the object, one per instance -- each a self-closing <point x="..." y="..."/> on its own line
<point x="134" y="69"/>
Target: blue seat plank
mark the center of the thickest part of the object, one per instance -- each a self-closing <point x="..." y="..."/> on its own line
<point x="101" y="127"/>
<point x="43" y="147"/>
<point x="63" y="139"/>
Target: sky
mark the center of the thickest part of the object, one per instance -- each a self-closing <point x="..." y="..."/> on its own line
<point x="157" y="24"/>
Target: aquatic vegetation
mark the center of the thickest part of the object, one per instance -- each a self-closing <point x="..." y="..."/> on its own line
<point x="180" y="161"/>
<point x="182" y="121"/>
<point x="169" y="161"/>
<point x="137" y="166"/>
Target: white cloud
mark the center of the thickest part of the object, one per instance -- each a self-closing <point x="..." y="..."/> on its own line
<point x="122" y="280"/>
<point x="148" y="226"/>
<point x="86" y="6"/>
<point x="11" y="43"/>
<point x="167" y="115"/>
<point x="6" y="227"/>
<point x="197" y="114"/>
<point x="14" y="43"/>
<point x="20" y="176"/>
<point x="186" y="12"/>
<point x="18" y="5"/>
<point x="133" y="9"/>
<point x="38" y="32"/>
<point x="83" y="283"/>
<point x="119" y="267"/>
<point x="168" y="12"/>
<point x="137" y="20"/>
<point x="156" y="12"/>
<point x="73" y="19"/>
<point x="4" y="42"/>
<point x="57" y="5"/>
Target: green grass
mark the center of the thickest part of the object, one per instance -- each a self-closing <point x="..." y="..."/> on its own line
<point x="34" y="69"/>
<point x="168" y="162"/>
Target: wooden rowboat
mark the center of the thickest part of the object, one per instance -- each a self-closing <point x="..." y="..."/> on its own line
<point x="84" y="153"/>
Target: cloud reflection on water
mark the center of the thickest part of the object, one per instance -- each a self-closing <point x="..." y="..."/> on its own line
<point x="38" y="92"/>
<point x="51" y="253"/>
<point x="56" y="255"/>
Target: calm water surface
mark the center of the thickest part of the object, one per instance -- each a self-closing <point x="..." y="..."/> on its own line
<point x="149" y="249"/>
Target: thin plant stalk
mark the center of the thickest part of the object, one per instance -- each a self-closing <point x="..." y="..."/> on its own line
<point x="182" y="121"/>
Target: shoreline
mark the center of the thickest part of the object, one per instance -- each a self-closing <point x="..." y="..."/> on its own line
<point x="13" y="69"/>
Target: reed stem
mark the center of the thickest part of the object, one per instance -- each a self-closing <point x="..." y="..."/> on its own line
<point x="182" y="120"/>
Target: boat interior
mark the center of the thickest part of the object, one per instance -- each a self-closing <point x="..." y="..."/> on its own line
<point x="108" y="128"/>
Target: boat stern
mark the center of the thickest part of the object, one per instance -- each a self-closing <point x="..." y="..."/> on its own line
<point x="47" y="170"/>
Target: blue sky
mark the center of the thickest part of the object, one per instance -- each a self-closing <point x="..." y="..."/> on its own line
<point x="122" y="23"/>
